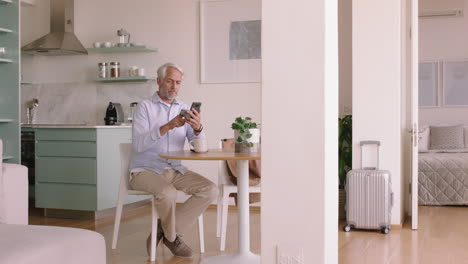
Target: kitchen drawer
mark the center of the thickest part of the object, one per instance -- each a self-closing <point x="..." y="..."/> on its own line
<point x="66" y="149"/>
<point x="66" y="196"/>
<point x="72" y="134"/>
<point x="66" y="170"/>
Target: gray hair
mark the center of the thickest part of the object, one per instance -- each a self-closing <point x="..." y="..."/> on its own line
<point x="163" y="69"/>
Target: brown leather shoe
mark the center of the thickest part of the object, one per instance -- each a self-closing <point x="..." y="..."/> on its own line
<point x="159" y="237"/>
<point x="178" y="248"/>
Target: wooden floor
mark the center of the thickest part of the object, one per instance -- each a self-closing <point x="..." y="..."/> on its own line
<point x="442" y="238"/>
<point x="135" y="227"/>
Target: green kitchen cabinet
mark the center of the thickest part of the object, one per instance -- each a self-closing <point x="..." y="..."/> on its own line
<point x="79" y="168"/>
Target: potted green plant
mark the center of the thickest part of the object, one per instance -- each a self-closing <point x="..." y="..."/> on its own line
<point x="246" y="135"/>
<point x="345" y="157"/>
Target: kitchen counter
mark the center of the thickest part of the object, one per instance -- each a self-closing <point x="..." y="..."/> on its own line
<point x="72" y="126"/>
<point x="77" y="166"/>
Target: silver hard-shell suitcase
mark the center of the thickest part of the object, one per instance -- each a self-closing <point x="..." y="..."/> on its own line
<point x="369" y="197"/>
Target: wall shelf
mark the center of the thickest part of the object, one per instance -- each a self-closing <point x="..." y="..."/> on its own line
<point x="5" y="30"/>
<point x="5" y="120"/>
<point x="26" y="82"/>
<point x="123" y="49"/>
<point x="6" y="2"/>
<point x="5" y="60"/>
<point x="7" y="157"/>
<point x="123" y="79"/>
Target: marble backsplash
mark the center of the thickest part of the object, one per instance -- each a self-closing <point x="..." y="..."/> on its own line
<point x="81" y="103"/>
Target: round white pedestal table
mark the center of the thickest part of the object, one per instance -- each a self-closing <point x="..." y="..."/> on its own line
<point x="244" y="255"/>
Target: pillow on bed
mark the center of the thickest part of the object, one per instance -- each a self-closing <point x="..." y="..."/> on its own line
<point x="446" y="137"/>
<point x="423" y="144"/>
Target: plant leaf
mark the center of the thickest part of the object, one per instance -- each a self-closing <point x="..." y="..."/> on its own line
<point x="239" y="139"/>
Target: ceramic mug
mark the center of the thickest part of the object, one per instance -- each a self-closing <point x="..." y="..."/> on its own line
<point x="141" y="72"/>
<point x="199" y="145"/>
<point x="108" y="44"/>
<point x="97" y="44"/>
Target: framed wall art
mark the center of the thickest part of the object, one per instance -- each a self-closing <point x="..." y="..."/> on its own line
<point x="428" y="84"/>
<point x="230" y="41"/>
<point x="455" y="92"/>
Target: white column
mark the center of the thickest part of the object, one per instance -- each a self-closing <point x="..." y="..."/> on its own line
<point x="299" y="130"/>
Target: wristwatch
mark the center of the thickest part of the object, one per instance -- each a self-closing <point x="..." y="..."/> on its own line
<point x="199" y="129"/>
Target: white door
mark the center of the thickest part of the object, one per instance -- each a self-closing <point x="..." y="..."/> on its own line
<point x="414" y="112"/>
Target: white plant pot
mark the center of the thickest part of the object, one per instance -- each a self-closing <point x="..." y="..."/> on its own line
<point x="255" y="139"/>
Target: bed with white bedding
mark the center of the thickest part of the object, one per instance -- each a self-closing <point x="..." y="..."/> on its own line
<point x="443" y="177"/>
<point x="443" y="165"/>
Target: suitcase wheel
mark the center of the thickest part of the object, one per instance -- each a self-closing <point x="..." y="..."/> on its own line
<point x="347" y="228"/>
<point x="384" y="230"/>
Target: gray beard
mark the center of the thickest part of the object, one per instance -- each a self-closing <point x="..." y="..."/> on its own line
<point x="165" y="94"/>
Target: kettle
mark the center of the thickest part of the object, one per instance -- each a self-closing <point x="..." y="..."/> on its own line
<point x="114" y="114"/>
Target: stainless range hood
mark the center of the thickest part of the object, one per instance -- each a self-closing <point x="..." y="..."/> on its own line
<point x="61" y="40"/>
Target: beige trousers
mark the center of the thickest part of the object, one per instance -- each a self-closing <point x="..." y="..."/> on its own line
<point x="164" y="187"/>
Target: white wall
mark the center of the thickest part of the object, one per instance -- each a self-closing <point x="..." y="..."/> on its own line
<point x="170" y="25"/>
<point x="377" y="86"/>
<point x="443" y="39"/>
<point x="299" y="113"/>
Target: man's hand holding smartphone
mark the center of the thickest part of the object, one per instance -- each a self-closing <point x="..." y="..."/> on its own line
<point x="192" y="117"/>
<point x="195" y="106"/>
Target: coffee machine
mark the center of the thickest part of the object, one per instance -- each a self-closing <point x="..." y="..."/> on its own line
<point x="114" y="114"/>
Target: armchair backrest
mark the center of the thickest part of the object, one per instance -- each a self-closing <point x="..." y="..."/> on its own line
<point x="13" y="192"/>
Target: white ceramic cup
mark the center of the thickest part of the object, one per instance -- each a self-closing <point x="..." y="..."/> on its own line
<point x="97" y="44"/>
<point x="108" y="44"/>
<point x="141" y="72"/>
<point x="132" y="71"/>
<point x="199" y="145"/>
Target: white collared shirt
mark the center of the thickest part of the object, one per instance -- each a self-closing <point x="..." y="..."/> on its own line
<point x="147" y="141"/>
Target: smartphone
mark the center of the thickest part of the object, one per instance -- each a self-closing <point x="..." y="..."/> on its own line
<point x="195" y="105"/>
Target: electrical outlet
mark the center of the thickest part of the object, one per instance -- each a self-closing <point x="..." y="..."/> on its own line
<point x="347" y="109"/>
<point x="289" y="254"/>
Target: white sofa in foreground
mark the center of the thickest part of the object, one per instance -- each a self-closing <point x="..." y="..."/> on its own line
<point x="31" y="244"/>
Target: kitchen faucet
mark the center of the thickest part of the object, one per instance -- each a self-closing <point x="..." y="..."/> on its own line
<point x="31" y="111"/>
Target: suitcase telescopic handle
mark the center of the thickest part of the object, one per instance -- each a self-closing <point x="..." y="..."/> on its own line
<point x="370" y="142"/>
